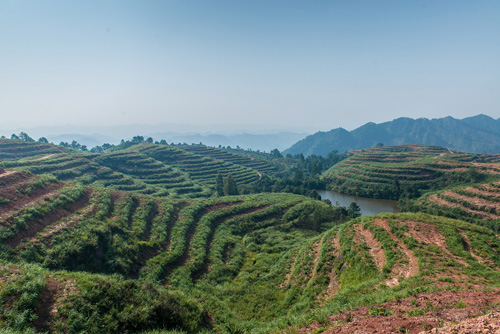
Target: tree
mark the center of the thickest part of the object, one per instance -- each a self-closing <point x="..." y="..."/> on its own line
<point x="24" y="136"/>
<point x="298" y="177"/>
<point x="275" y="154"/>
<point x="14" y="136"/>
<point x="354" y="210"/>
<point x="230" y="186"/>
<point x="97" y="149"/>
<point x="75" y="145"/>
<point x="138" y="139"/>
<point x="149" y="140"/>
<point x="106" y="146"/>
<point x="219" y="185"/>
<point x="379" y="145"/>
<point x="43" y="140"/>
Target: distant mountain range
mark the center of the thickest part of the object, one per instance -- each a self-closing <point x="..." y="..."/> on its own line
<point x="477" y="134"/>
<point x="255" y="138"/>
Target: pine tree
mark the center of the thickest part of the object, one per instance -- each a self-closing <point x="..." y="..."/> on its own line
<point x="230" y="187"/>
<point x="219" y="185"/>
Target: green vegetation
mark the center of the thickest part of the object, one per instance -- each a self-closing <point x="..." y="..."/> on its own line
<point x="154" y="238"/>
<point x="407" y="171"/>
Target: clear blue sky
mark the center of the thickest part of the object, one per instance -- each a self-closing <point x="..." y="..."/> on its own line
<point x="321" y="64"/>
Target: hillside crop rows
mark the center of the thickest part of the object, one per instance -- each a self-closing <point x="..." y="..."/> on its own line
<point x="80" y="258"/>
<point x="479" y="203"/>
<point x="388" y="172"/>
<point x="202" y="169"/>
<point x="158" y="170"/>
<point x="260" y="165"/>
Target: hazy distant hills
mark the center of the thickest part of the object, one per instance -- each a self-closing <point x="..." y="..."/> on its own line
<point x="477" y="134"/>
<point x="263" y="139"/>
<point x="263" y="142"/>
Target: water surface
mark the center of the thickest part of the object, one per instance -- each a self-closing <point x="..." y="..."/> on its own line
<point x="369" y="206"/>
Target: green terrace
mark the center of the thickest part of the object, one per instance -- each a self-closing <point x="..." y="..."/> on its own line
<point x="390" y="172"/>
<point x="158" y="170"/>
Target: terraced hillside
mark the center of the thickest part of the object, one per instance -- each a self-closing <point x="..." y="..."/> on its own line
<point x="405" y="273"/>
<point x="67" y="226"/>
<point x="158" y="170"/>
<point x="388" y="172"/>
<point x="259" y="164"/>
<point x="477" y="203"/>
<point x="201" y="169"/>
<point x="115" y="261"/>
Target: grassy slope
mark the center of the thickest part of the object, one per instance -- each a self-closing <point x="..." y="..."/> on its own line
<point x="243" y="259"/>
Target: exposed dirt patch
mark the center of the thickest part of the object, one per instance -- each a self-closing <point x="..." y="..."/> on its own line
<point x="430" y="235"/>
<point x="442" y="202"/>
<point x="333" y="285"/>
<point x="399" y="270"/>
<point x="45" y="157"/>
<point x="7" y="173"/>
<point x="414" y="314"/>
<point x="44" y="306"/>
<point x="376" y="251"/>
<point x="487" y="324"/>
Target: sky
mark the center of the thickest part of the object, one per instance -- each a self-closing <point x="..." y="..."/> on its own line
<point x="285" y="64"/>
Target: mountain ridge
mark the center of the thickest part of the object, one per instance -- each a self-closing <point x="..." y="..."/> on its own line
<point x="476" y="134"/>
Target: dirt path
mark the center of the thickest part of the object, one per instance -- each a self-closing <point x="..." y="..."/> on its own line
<point x="317" y="251"/>
<point x="376" y="251"/>
<point x="399" y="270"/>
<point x="8" y="172"/>
<point x="333" y="285"/>
<point x="45" y="157"/>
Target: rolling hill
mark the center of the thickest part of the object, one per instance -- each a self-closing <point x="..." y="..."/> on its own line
<point x="478" y="134"/>
<point x="410" y="170"/>
<point x="78" y="258"/>
<point x="159" y="170"/>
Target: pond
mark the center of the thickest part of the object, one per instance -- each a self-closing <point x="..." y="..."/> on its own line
<point x="369" y="206"/>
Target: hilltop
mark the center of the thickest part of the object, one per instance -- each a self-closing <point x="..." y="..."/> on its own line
<point x="478" y="134"/>
<point x="410" y="170"/>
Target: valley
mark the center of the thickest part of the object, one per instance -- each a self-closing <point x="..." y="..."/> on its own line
<point x="144" y="239"/>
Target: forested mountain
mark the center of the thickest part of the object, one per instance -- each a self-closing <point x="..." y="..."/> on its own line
<point x="478" y="134"/>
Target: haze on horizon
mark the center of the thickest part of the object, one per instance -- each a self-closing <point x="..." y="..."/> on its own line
<point x="322" y="64"/>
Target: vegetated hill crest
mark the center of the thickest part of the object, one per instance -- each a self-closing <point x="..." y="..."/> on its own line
<point x="477" y="134"/>
<point x="125" y="262"/>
